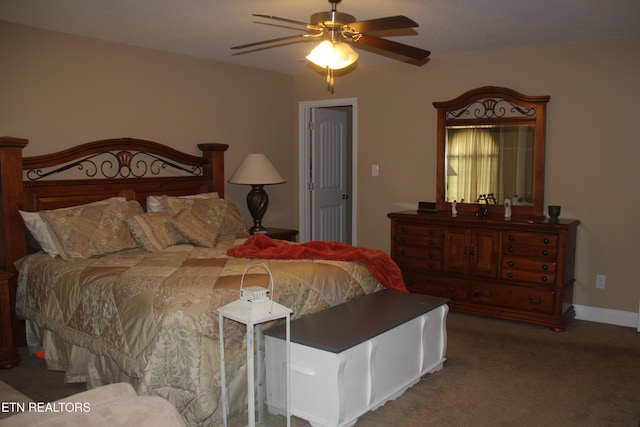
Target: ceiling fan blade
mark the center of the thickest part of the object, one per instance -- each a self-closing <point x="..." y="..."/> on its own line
<point x="279" y="39"/>
<point x="394" y="47"/>
<point x="388" y="23"/>
<point x="290" y="21"/>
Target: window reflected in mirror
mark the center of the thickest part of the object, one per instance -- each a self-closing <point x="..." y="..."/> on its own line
<point x="495" y="160"/>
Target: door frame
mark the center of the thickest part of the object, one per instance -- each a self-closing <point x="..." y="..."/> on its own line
<point x="304" y="159"/>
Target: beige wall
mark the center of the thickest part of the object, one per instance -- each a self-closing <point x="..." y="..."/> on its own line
<point x="59" y="91"/>
<point x="591" y="152"/>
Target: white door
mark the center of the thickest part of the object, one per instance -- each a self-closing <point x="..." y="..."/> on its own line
<point x="330" y="174"/>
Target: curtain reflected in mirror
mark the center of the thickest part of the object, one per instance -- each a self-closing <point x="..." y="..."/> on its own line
<point x="493" y="159"/>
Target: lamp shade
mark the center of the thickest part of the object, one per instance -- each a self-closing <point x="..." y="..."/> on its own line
<point x="332" y="55"/>
<point x="256" y="169"/>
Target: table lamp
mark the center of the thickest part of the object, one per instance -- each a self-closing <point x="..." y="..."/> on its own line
<point x="256" y="170"/>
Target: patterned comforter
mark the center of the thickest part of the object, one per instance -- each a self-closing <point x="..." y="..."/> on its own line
<point x="153" y="315"/>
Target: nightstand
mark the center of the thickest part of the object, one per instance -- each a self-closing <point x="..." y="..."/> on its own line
<point x="282" y="233"/>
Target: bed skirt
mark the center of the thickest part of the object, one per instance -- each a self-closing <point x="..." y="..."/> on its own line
<point x="81" y="365"/>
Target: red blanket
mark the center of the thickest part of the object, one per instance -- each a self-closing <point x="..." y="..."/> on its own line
<point x="383" y="268"/>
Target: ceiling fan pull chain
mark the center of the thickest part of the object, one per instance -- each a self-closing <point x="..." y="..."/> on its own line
<point x="330" y="79"/>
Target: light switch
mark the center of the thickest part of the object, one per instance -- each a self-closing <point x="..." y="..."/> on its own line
<point x="375" y="170"/>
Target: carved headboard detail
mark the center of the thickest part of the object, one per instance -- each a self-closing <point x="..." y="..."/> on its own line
<point x="126" y="167"/>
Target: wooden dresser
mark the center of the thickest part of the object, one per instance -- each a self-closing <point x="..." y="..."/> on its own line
<point x="508" y="269"/>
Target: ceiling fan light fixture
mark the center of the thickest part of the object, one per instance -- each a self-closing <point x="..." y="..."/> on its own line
<point x="336" y="28"/>
<point x="335" y="56"/>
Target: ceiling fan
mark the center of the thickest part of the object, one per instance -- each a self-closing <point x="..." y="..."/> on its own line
<point x="337" y="31"/>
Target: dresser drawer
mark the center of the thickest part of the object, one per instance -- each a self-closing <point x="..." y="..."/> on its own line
<point x="514" y="249"/>
<point x="418" y="257"/>
<point x="529" y="277"/>
<point x="433" y="264"/>
<point x="418" y="252"/>
<point x="530" y="270"/>
<point x="518" y="297"/>
<point x="442" y="286"/>
<point x="532" y="299"/>
<point x="489" y="293"/>
<point x="530" y="264"/>
<point x="524" y="238"/>
<point x="415" y="235"/>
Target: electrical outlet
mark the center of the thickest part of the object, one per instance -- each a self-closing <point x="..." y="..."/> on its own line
<point x="601" y="281"/>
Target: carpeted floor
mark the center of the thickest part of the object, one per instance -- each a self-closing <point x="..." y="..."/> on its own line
<point x="506" y="374"/>
<point x="497" y="373"/>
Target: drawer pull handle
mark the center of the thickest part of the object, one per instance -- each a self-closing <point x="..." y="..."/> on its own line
<point x="510" y="263"/>
<point x="546" y="241"/>
<point x="512" y="238"/>
<point x="510" y="274"/>
<point x="431" y="232"/>
<point x="545" y="267"/>
<point x="545" y="252"/>
<point x="481" y="293"/>
<point x="403" y="240"/>
<point x="538" y="302"/>
<point x="430" y="265"/>
<point x="544" y="278"/>
<point x="431" y="242"/>
<point x="403" y="229"/>
<point x="403" y="252"/>
<point x="452" y="289"/>
<point x="511" y="249"/>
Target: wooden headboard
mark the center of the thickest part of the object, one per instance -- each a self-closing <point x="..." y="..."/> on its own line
<point x="127" y="167"/>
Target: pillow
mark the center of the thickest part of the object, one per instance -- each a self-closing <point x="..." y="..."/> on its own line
<point x="90" y="230"/>
<point x="228" y="218"/>
<point x="153" y="232"/>
<point x="41" y="232"/>
<point x="154" y="203"/>
<point x="199" y="228"/>
<point x="233" y="223"/>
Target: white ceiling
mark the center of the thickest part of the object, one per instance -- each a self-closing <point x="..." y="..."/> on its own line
<point x="208" y="28"/>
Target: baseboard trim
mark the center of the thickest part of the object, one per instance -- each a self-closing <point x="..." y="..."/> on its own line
<point x="606" y="315"/>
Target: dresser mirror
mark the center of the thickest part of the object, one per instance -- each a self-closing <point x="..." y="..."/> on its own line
<point x="491" y="144"/>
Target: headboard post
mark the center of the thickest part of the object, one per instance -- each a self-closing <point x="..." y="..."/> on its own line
<point x="214" y="152"/>
<point x="12" y="235"/>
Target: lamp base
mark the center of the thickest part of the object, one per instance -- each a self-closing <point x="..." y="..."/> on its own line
<point x="257" y="202"/>
<point x="259" y="230"/>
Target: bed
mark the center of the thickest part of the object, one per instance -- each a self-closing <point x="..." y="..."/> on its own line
<point x="141" y="235"/>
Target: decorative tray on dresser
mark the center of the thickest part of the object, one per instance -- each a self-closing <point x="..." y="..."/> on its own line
<point x="519" y="270"/>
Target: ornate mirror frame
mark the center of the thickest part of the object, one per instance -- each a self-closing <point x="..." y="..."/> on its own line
<point x="486" y="106"/>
